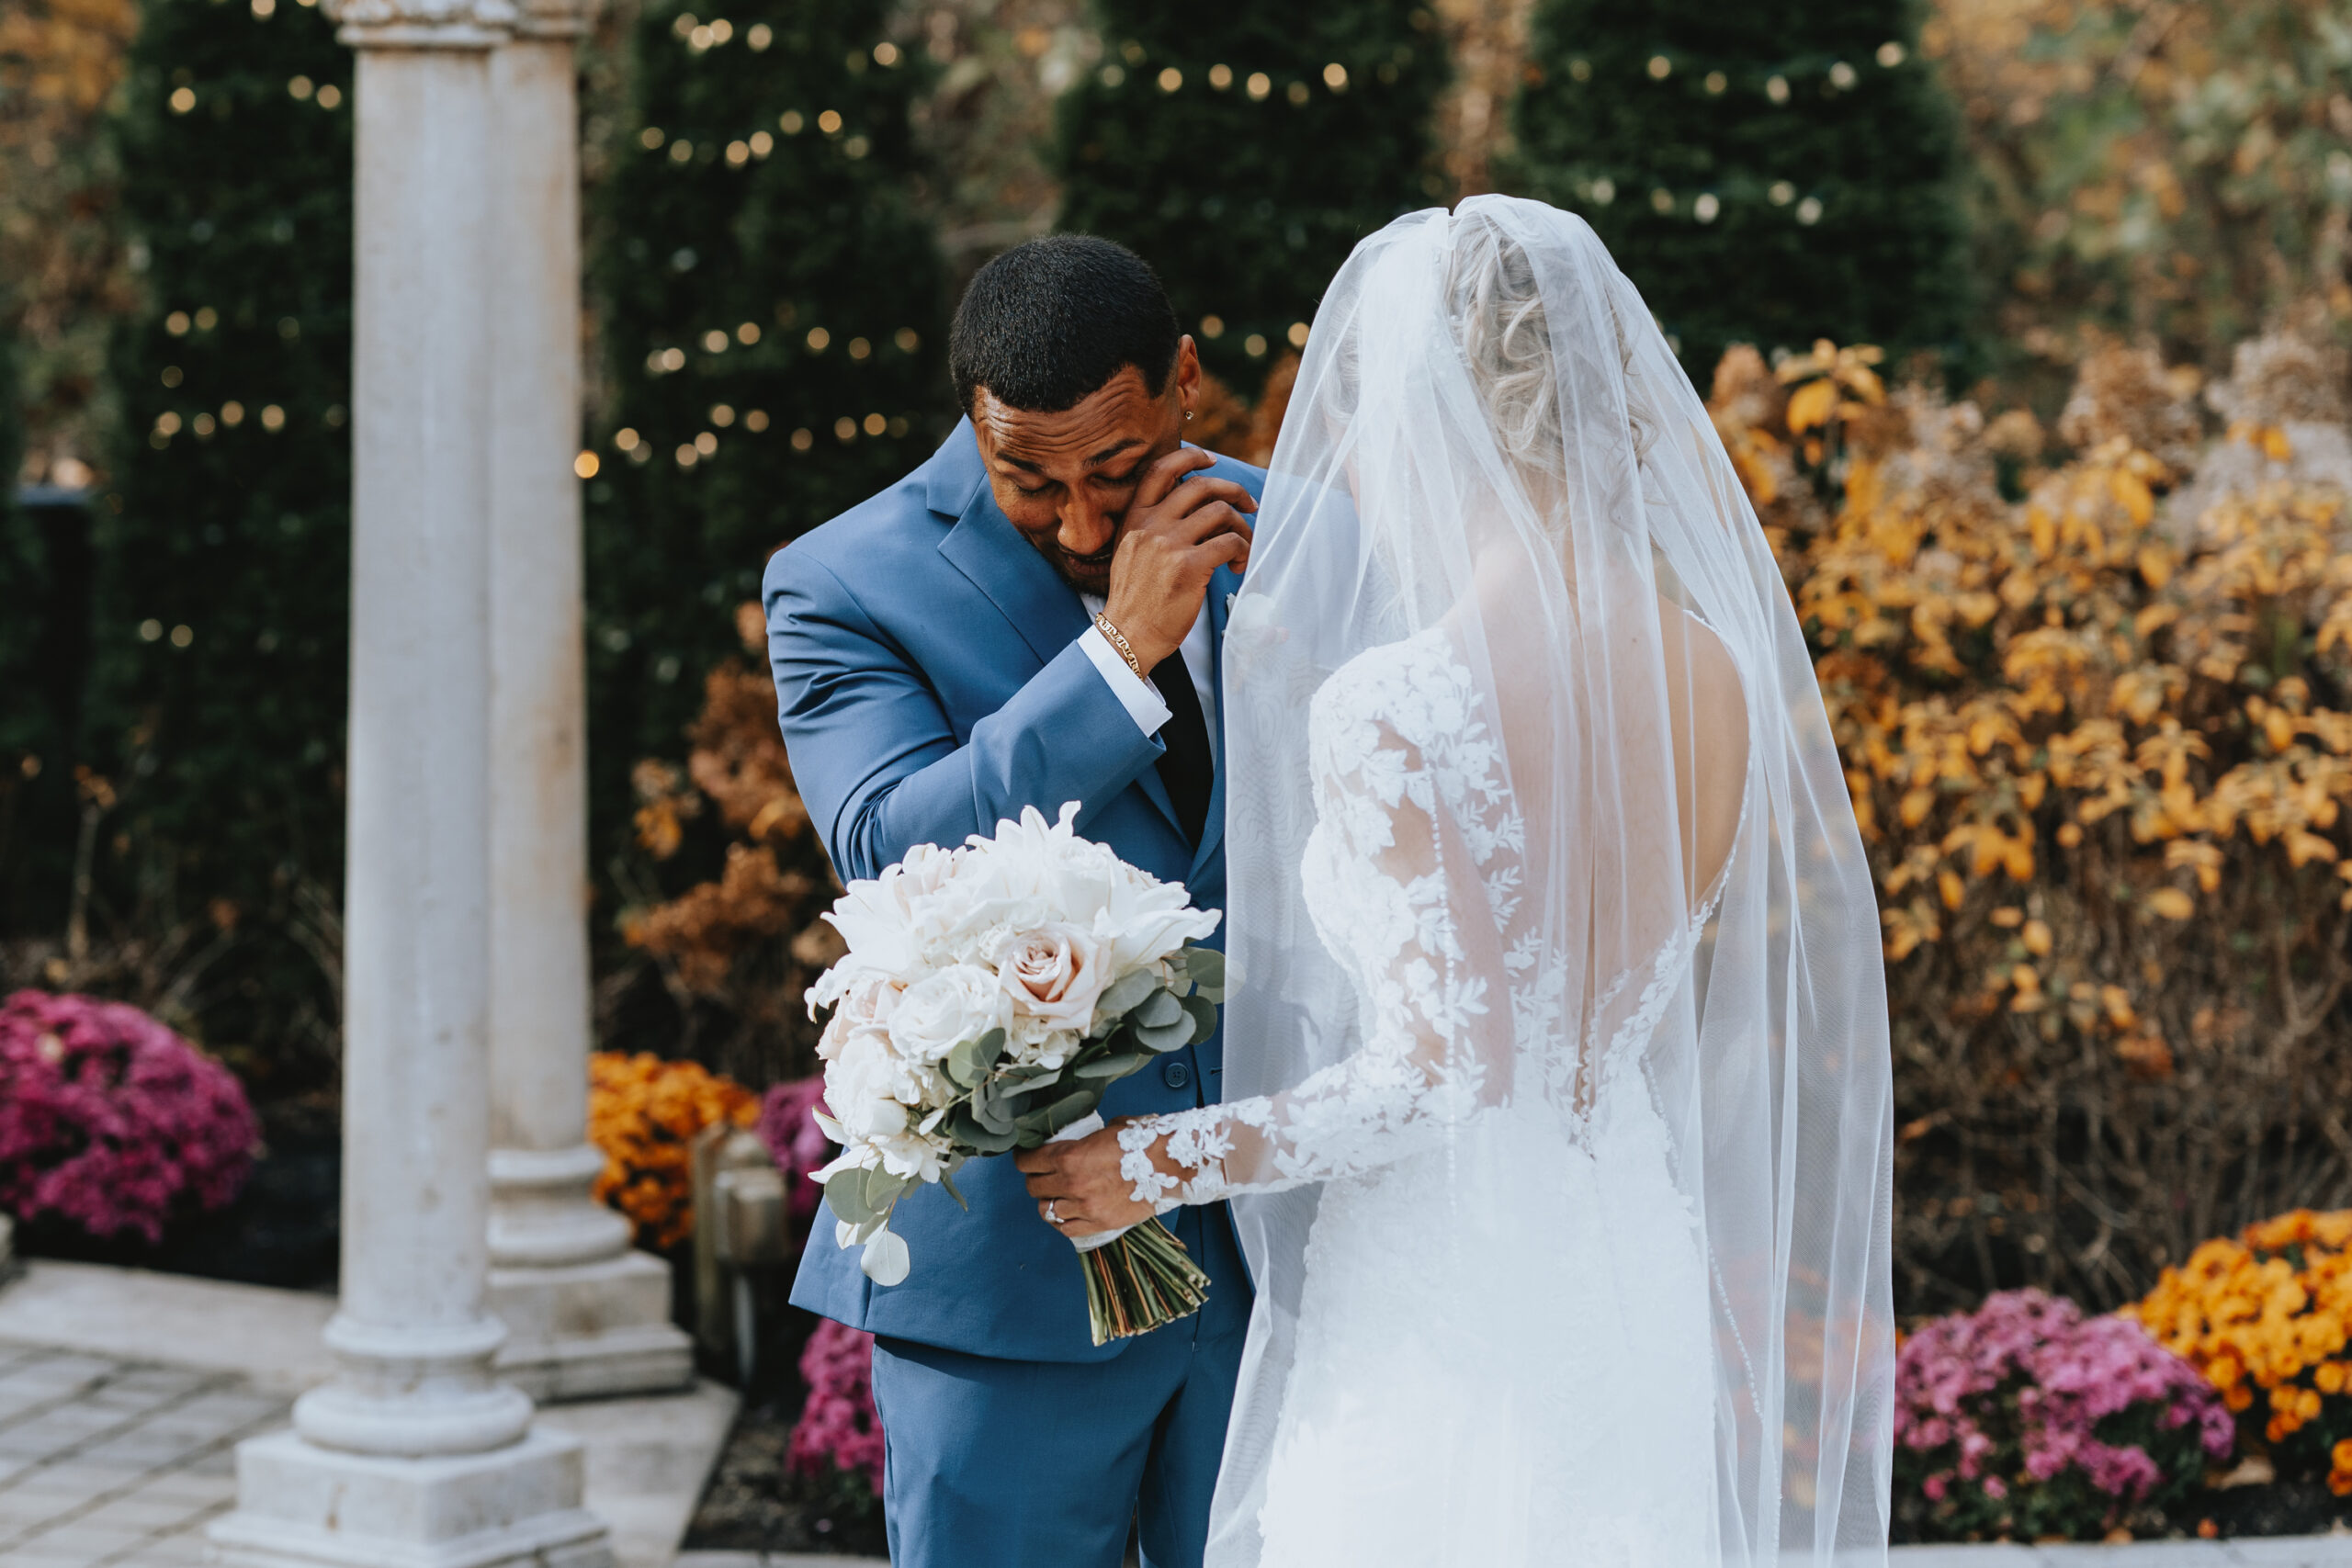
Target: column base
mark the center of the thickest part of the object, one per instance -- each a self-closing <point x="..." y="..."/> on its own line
<point x="590" y="1330"/>
<point x="300" y="1506"/>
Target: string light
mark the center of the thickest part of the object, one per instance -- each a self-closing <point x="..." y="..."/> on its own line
<point x="859" y="348"/>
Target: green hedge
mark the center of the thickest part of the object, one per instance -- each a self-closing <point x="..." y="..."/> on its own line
<point x="1767" y="175"/>
<point x="1244" y="148"/>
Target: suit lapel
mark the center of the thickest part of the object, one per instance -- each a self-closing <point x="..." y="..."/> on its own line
<point x="985" y="548"/>
<point x="1221" y="587"/>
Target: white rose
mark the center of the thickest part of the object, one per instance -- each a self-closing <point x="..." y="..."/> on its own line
<point x="940" y="1012"/>
<point x="866" y="1004"/>
<point x="1053" y="973"/>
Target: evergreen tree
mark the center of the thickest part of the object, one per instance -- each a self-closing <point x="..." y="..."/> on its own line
<point x="222" y="602"/>
<point x="1243" y="148"/>
<point x="1769" y="175"/>
<point x="772" y="309"/>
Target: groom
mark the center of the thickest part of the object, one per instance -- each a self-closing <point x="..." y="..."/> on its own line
<point x="1031" y="617"/>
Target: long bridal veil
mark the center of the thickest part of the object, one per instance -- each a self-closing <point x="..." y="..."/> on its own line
<point x="1655" y="904"/>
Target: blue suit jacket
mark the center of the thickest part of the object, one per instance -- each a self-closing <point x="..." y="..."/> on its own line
<point x="929" y="684"/>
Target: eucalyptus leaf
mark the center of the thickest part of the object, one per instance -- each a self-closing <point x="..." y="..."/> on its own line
<point x="885" y="1261"/>
<point x="846" y="1195"/>
<point x="1171" y="1037"/>
<point x="1109" y="1069"/>
<point x="987" y="1110"/>
<point x="1161" y="1010"/>
<point x="1070" y="1107"/>
<point x="882" y="1190"/>
<point x="962" y="1065"/>
<point x="947" y="1180"/>
<point x="1204" y="1017"/>
<point x="1127" y="991"/>
<point x="966" y="1130"/>
<point x="1206" y="966"/>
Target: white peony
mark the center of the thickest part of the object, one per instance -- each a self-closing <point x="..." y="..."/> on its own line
<point x="862" y="1084"/>
<point x="885" y="922"/>
<point x="944" y="1009"/>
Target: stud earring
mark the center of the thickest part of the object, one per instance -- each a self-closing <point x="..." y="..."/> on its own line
<point x="1188" y="414"/>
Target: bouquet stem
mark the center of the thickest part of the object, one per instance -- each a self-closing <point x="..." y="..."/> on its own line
<point x="1140" y="1282"/>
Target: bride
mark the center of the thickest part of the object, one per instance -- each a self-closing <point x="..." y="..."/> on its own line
<point x="1556" y="1116"/>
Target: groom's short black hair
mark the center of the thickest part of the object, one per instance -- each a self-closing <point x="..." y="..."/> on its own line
<point x="1046" y="325"/>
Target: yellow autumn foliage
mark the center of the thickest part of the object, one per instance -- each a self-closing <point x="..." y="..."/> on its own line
<point x="2096" y="718"/>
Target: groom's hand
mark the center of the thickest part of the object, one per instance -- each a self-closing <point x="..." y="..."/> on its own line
<point x="1180" y="528"/>
<point x="1078" y="1186"/>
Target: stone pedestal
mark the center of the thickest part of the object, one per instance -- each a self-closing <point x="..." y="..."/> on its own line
<point x="585" y="1316"/>
<point x="414" y="1455"/>
<point x="300" y="1506"/>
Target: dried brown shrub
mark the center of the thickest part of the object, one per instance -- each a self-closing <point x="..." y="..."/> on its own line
<point x="737" y="951"/>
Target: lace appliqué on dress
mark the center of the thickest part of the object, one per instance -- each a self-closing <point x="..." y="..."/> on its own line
<point x="1409" y="786"/>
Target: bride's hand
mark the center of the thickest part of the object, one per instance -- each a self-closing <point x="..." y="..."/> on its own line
<point x="1078" y="1186"/>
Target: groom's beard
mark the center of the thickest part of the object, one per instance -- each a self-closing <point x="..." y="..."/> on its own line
<point x="1088" y="574"/>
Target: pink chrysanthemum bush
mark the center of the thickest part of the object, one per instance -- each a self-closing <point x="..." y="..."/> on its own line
<point x="110" y="1121"/>
<point x="2026" y="1419"/>
<point x="838" y="1432"/>
<point x="788" y="1127"/>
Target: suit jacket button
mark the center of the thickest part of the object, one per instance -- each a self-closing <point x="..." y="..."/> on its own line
<point x="1176" y="1075"/>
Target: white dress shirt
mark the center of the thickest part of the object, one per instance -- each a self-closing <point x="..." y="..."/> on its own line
<point x="1141" y="698"/>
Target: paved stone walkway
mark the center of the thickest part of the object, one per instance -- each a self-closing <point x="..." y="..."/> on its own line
<point x="108" y="1463"/>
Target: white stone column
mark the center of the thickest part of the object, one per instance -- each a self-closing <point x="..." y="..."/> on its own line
<point x="584" y="1314"/>
<point x="414" y="1454"/>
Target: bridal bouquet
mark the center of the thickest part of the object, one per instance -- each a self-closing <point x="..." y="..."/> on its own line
<point x="989" y="996"/>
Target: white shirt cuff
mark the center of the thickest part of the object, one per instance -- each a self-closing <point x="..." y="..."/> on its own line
<point x="1140" y="698"/>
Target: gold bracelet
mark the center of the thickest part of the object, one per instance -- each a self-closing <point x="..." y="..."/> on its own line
<point x="1118" y="639"/>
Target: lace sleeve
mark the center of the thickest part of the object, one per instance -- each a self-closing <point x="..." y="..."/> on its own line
<point x="1413" y="873"/>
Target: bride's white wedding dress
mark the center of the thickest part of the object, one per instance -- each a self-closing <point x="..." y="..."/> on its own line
<point x="1428" y="1419"/>
<point x="1556" y="1112"/>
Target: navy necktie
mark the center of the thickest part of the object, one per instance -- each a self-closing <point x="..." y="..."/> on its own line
<point x="1188" y="768"/>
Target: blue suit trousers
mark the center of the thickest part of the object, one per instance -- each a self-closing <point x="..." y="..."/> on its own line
<point x="976" y="1446"/>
